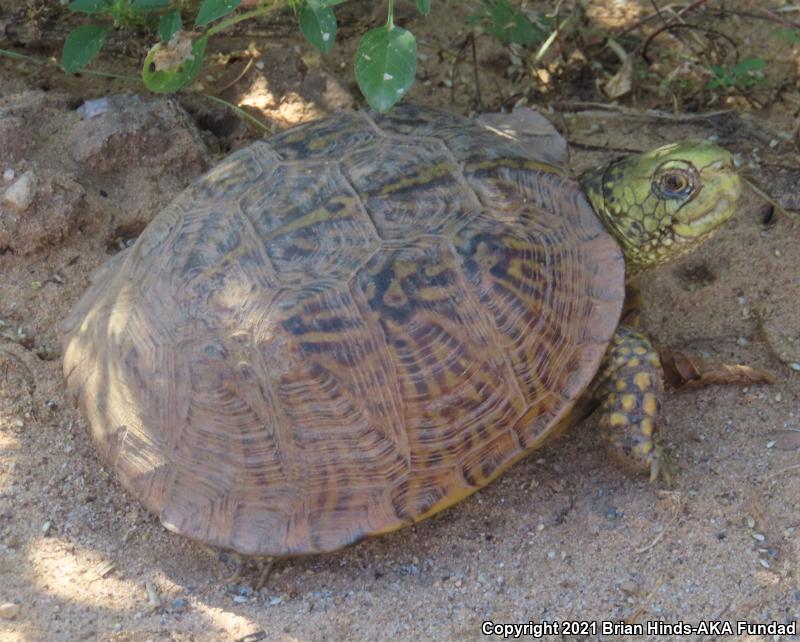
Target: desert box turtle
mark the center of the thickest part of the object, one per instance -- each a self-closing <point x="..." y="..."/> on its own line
<point x="354" y="324"/>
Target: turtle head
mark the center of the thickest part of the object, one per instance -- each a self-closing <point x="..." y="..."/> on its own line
<point x="663" y="203"/>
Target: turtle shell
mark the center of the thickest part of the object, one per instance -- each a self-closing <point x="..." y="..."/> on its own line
<point x="344" y="329"/>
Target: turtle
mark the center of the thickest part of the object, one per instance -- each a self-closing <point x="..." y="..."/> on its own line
<point x="352" y="325"/>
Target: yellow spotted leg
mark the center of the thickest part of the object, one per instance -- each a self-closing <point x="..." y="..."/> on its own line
<point x="629" y="389"/>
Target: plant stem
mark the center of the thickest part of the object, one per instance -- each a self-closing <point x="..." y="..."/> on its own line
<point x="19" y="56"/>
<point x="258" y="11"/>
<point x="390" y="17"/>
<point x="255" y="122"/>
<point x="44" y="61"/>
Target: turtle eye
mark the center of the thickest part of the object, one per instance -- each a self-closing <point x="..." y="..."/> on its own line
<point x="674" y="183"/>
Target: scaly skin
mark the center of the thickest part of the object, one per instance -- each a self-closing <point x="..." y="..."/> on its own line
<point x="659" y="205"/>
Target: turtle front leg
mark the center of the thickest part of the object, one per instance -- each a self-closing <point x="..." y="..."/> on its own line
<point x="629" y="389"/>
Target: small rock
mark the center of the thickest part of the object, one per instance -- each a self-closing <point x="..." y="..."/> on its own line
<point x="46" y="528"/>
<point x="179" y="605"/>
<point x="21" y="192"/>
<point x="8" y="174"/>
<point x="153" y="600"/>
<point x="92" y="108"/>
<point x="9" y="610"/>
<point x="241" y="599"/>
<point x="274" y="601"/>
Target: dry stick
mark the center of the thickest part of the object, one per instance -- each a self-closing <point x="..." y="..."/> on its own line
<point x="475" y="71"/>
<point x="631" y="619"/>
<point x="678" y="506"/>
<point x="670" y="7"/>
<point x="618" y="111"/>
<point x="241" y="75"/>
<point x="780" y="19"/>
<point x="792" y="216"/>
<point x="672" y="26"/>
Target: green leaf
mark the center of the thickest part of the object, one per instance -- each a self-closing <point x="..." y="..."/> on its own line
<point x="424" y="6"/>
<point x="90" y="6"/>
<point x="792" y="35"/>
<point x="510" y="26"/>
<point x="318" y="24"/>
<point x="210" y="10"/>
<point x="146" y="6"/>
<point x="169" y="24"/>
<point x="170" y="79"/>
<point x="747" y="65"/>
<point x="386" y="61"/>
<point x="81" y="46"/>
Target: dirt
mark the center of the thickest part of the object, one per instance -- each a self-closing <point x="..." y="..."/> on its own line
<point x="565" y="534"/>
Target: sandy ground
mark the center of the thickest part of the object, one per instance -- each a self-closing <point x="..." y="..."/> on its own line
<point x="564" y="535"/>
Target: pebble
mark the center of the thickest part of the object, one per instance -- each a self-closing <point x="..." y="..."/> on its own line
<point x="240" y="599"/>
<point x="179" y="605"/>
<point x="759" y="537"/>
<point x="9" y="611"/>
<point x="152" y="595"/>
<point x="8" y="174"/>
<point x="274" y="601"/>
<point x="20" y="193"/>
<point x="92" y="108"/>
<point x="46" y="528"/>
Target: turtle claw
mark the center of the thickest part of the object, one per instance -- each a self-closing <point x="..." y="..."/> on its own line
<point x="240" y="564"/>
<point x="663" y="468"/>
<point x="266" y="565"/>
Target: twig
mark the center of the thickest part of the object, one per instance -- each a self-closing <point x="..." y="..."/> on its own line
<point x="672" y="26"/>
<point x="241" y="75"/>
<point x="643" y="604"/>
<point x="670" y="7"/>
<point x="475" y="71"/>
<point x="614" y="111"/>
<point x="792" y="216"/>
<point x="677" y="512"/>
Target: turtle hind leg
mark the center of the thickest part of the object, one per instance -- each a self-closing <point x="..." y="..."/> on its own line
<point x="630" y="389"/>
